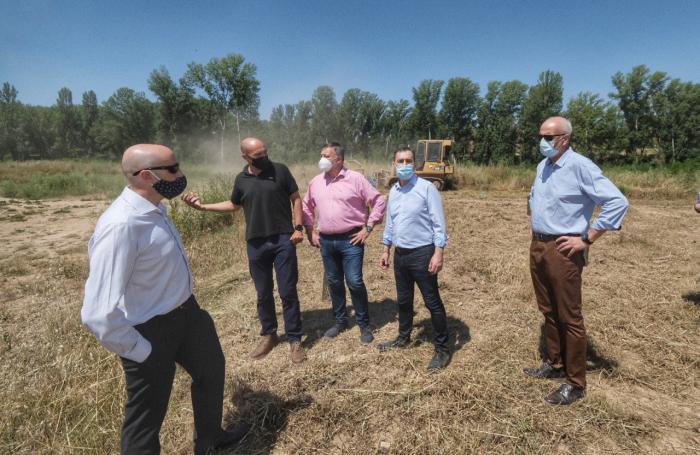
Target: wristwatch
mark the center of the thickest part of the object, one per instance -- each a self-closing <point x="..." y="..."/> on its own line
<point x="369" y="228"/>
<point x="299" y="228"/>
<point x="586" y="240"/>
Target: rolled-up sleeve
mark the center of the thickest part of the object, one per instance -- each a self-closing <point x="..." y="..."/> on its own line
<point x="437" y="216"/>
<point x="388" y="226"/>
<point x="604" y="193"/>
<point x="308" y="206"/>
<point x="374" y="199"/>
<point x="113" y="253"/>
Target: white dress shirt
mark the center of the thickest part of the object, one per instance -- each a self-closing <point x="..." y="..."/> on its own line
<point x="138" y="270"/>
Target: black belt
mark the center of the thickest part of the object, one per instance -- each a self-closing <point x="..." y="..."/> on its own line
<point x="189" y="304"/>
<point x="550" y="237"/>
<point x="403" y="251"/>
<point x="341" y="235"/>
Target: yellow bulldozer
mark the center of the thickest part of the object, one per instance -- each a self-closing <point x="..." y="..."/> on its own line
<point x="434" y="162"/>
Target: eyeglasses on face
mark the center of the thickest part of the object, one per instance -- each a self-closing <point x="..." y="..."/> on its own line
<point x="172" y="168"/>
<point x="549" y="137"/>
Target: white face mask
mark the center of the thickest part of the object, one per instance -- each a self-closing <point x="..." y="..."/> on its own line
<point x="324" y="164"/>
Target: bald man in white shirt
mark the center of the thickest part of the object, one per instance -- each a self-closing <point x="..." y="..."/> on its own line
<point x="139" y="304"/>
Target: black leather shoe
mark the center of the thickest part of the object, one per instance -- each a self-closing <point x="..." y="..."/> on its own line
<point x="439" y="361"/>
<point x="399" y="342"/>
<point x="565" y="395"/>
<point x="230" y="437"/>
<point x="366" y="336"/>
<point x="335" y="330"/>
<point x="545" y="371"/>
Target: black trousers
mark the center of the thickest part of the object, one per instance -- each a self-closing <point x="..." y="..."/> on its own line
<point x="278" y="252"/>
<point x="411" y="268"/>
<point x="186" y="336"/>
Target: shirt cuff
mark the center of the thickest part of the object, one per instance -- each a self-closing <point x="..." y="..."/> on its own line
<point x="140" y="352"/>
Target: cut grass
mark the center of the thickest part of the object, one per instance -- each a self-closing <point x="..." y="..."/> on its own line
<point x="63" y="393"/>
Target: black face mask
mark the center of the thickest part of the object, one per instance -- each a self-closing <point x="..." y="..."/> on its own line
<point x="261" y="163"/>
<point x="172" y="189"/>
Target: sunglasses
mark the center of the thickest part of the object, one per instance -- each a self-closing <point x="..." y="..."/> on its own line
<point x="172" y="168"/>
<point x="549" y="137"/>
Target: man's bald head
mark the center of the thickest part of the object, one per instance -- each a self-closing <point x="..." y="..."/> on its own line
<point x="556" y="125"/>
<point x="252" y="146"/>
<point x="557" y="130"/>
<point x="141" y="156"/>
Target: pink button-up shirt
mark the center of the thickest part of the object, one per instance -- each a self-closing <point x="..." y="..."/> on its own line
<point x="340" y="204"/>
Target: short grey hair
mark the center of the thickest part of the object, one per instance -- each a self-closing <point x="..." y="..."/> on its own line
<point x="337" y="148"/>
<point x="567" y="126"/>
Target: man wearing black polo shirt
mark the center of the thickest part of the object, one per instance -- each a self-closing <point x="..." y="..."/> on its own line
<point x="264" y="189"/>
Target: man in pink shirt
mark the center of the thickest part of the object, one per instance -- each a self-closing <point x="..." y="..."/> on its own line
<point x="338" y="199"/>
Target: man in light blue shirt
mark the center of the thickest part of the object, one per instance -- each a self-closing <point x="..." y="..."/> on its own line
<point x="416" y="228"/>
<point x="567" y="188"/>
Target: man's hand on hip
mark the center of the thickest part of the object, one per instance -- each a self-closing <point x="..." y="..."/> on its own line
<point x="570" y="245"/>
<point x="359" y="237"/>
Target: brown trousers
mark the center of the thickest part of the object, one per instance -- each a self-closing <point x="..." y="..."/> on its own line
<point x="557" y="283"/>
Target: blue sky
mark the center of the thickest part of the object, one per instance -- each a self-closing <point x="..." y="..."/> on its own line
<point x="385" y="47"/>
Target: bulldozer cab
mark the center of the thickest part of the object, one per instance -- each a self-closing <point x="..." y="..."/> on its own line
<point x="432" y="151"/>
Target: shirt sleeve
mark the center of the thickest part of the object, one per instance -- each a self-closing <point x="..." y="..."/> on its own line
<point x="374" y="199"/>
<point x="437" y="217"/>
<point x="389" y="226"/>
<point x="289" y="182"/>
<point x="308" y="206"/>
<point x="237" y="193"/>
<point x="113" y="254"/>
<point x="604" y="193"/>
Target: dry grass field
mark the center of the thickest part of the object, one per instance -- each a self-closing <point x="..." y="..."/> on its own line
<point x="63" y="394"/>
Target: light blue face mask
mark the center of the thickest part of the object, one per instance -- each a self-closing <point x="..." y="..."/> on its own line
<point x="404" y="171"/>
<point x="547" y="148"/>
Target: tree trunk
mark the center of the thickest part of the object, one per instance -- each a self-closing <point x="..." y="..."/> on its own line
<point x="221" y="148"/>
<point x="238" y="128"/>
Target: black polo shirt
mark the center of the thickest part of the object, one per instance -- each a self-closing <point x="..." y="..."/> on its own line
<point x="265" y="200"/>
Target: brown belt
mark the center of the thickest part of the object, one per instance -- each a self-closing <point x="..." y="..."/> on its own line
<point x="549" y="237"/>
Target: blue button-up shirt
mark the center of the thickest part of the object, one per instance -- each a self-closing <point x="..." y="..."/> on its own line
<point x="415" y="215"/>
<point x="565" y="193"/>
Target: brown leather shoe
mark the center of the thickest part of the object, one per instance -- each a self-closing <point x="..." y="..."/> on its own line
<point x="296" y="352"/>
<point x="267" y="342"/>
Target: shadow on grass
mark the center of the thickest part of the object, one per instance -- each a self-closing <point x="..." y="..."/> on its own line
<point x="459" y="332"/>
<point x="692" y="297"/>
<point x="594" y="360"/>
<point x="316" y="322"/>
<point x="265" y="412"/>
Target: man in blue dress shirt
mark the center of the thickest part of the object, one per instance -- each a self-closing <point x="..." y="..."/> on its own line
<point x="416" y="228"/>
<point x="139" y="304"/>
<point x="567" y="188"/>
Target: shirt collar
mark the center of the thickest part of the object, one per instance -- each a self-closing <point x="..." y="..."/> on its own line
<point x="410" y="184"/>
<point x="140" y="203"/>
<point x="562" y="159"/>
<point x="341" y="173"/>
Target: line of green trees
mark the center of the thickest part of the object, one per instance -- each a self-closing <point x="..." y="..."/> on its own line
<point x="650" y="117"/>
